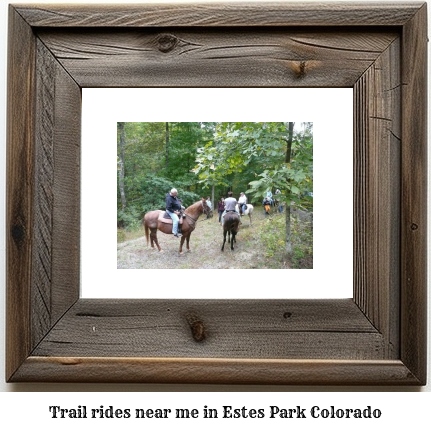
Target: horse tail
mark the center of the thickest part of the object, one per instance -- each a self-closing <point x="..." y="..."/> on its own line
<point x="147" y="231"/>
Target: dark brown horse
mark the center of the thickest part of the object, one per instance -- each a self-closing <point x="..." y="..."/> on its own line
<point x="152" y="223"/>
<point x="230" y="227"/>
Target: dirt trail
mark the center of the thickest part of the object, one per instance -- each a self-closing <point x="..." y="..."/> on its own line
<point x="205" y="245"/>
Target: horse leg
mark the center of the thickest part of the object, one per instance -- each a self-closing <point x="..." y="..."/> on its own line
<point x="224" y="240"/>
<point x="151" y="237"/>
<point x="188" y="242"/>
<point x="181" y="244"/>
<point x="233" y="239"/>
<point x="147" y="232"/>
<point x="154" y="240"/>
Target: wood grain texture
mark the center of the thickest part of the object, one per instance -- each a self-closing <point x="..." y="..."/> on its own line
<point x="228" y="58"/>
<point x="414" y="195"/>
<point x="215" y="371"/>
<point x="44" y="195"/>
<point x="19" y="200"/>
<point x="234" y="329"/>
<point x="377" y="192"/>
<point x="378" y="337"/>
<point x="55" y="278"/>
<point x="213" y="14"/>
<point x="66" y="190"/>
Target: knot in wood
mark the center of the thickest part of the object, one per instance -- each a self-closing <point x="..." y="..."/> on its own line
<point x="197" y="327"/>
<point x="300" y="69"/>
<point x="166" y="42"/>
<point x="414" y="226"/>
<point x="18" y="233"/>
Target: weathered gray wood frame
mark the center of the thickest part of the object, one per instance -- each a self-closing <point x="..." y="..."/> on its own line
<point x="378" y="337"/>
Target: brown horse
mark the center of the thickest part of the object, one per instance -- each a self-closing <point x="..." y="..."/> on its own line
<point x="152" y="224"/>
<point x="230" y="226"/>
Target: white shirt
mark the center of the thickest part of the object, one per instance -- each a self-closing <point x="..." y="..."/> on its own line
<point x="242" y="199"/>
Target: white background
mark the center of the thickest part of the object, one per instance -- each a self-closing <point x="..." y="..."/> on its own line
<point x="403" y="408"/>
<point x="330" y="110"/>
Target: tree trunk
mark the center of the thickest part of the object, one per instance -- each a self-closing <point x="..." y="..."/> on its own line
<point x="288" y="243"/>
<point x="122" y="164"/>
<point x="167" y="145"/>
<point x="289" y="143"/>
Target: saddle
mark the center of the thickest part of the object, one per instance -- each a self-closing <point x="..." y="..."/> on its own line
<point x="164" y="217"/>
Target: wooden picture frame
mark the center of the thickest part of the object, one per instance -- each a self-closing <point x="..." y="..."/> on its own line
<point x="376" y="338"/>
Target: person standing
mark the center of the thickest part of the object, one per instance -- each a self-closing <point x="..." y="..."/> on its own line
<point x="269" y="196"/>
<point x="277" y="198"/>
<point x="209" y="203"/>
<point x="266" y="204"/>
<point x="220" y="209"/>
<point x="173" y="208"/>
<point x="210" y="206"/>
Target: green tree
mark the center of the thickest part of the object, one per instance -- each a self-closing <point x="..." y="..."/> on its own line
<point x="273" y="153"/>
<point x="154" y="157"/>
<point x="121" y="162"/>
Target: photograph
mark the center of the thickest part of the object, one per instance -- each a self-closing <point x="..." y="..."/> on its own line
<point x="214" y="195"/>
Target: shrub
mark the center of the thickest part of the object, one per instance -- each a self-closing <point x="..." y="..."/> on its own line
<point x="272" y="235"/>
<point x="130" y="218"/>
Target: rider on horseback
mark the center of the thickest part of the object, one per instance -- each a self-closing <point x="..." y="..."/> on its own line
<point x="242" y="203"/>
<point x="173" y="208"/>
<point x="229" y="204"/>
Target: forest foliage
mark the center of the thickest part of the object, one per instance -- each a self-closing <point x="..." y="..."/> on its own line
<point x="209" y="159"/>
